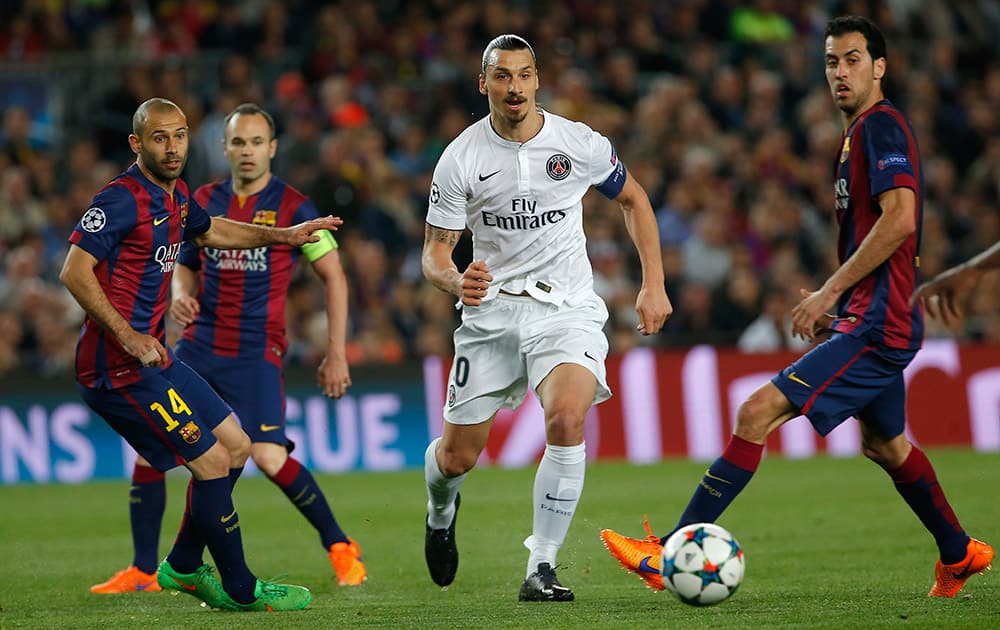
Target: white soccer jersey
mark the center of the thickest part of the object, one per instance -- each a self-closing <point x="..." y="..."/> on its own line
<point x="523" y="203"/>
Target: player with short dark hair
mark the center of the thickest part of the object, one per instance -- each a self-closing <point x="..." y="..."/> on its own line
<point x="876" y="331"/>
<point x="122" y="255"/>
<point x="530" y="316"/>
<point x="235" y="339"/>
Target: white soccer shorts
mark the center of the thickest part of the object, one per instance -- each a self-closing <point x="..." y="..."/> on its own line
<point x="513" y="341"/>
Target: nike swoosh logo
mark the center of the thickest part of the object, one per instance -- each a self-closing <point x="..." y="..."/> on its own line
<point x="483" y="178"/>
<point x="798" y="380"/>
<point x="160" y="220"/>
<point x="587" y="354"/>
<point x="142" y="587"/>
<point x="645" y="566"/>
<point x="226" y="519"/>
<point x="269" y="427"/>
<point x="190" y="587"/>
<point x="965" y="572"/>
<point x="552" y="498"/>
<point x="711" y="476"/>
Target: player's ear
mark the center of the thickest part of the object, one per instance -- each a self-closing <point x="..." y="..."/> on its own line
<point x="482" y="85"/>
<point x="879" y="68"/>
<point x="134" y="143"/>
<point x="274" y="148"/>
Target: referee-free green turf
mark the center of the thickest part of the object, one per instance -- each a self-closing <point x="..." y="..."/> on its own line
<point x="829" y="544"/>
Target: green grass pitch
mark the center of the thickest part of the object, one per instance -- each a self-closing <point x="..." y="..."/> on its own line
<point x="829" y="544"/>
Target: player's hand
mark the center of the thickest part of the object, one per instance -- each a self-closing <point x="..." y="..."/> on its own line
<point x="184" y="309"/>
<point x="305" y="232"/>
<point x="654" y="308"/>
<point x="333" y="376"/>
<point x="942" y="295"/>
<point x="474" y="283"/>
<point x="810" y="315"/>
<point x="146" y="348"/>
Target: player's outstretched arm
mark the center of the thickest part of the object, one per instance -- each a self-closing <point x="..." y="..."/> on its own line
<point x="440" y="268"/>
<point x="228" y="234"/>
<point x="78" y="276"/>
<point x="942" y="295"/>
<point x="652" y="303"/>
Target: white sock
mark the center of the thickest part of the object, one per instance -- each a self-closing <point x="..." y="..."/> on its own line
<point x="558" y="485"/>
<point x="441" y="490"/>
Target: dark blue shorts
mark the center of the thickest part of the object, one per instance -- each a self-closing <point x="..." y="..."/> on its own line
<point x="167" y="417"/>
<point x="849" y="376"/>
<point x="254" y="388"/>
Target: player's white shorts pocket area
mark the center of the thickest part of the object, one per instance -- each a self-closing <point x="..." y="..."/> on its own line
<point x="511" y="342"/>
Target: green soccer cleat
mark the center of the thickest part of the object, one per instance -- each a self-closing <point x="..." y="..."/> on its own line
<point x="201" y="584"/>
<point x="272" y="597"/>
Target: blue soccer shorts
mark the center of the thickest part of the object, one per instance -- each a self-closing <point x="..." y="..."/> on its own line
<point x="849" y="376"/>
<point x="253" y="387"/>
<point x="167" y="417"/>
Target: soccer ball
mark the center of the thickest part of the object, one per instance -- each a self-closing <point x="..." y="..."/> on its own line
<point x="702" y="564"/>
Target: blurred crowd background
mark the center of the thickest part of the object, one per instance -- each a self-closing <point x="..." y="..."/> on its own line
<point x="719" y="108"/>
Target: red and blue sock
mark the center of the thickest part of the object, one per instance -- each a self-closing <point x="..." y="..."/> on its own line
<point x="917" y="483"/>
<point x="147" y="500"/>
<point x="723" y="481"/>
<point x="301" y="488"/>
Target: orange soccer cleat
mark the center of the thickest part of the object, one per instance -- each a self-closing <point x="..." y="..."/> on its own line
<point x="346" y="561"/>
<point x="641" y="557"/>
<point x="949" y="578"/>
<point x="128" y="580"/>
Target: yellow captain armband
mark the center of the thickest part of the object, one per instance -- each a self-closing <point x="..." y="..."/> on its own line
<point x="322" y="247"/>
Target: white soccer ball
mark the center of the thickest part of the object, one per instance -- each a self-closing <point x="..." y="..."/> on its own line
<point x="702" y="564"/>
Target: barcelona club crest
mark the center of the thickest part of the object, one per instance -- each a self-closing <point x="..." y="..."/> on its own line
<point x="190" y="432"/>
<point x="184" y="215"/>
<point x="558" y="167"/>
<point x="265" y="217"/>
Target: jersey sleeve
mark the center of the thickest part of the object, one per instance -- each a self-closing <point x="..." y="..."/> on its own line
<point x="607" y="171"/>
<point x="889" y="152"/>
<point x="314" y="251"/>
<point x="446" y="207"/>
<point x="197" y="221"/>
<point x="112" y="215"/>
<point x="190" y="256"/>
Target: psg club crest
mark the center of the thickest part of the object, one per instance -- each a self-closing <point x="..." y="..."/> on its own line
<point x="451" y="395"/>
<point x="265" y="217"/>
<point x="93" y="220"/>
<point x="558" y="167"/>
<point x="190" y="432"/>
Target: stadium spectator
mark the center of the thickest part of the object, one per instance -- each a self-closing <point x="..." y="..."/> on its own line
<point x="530" y="314"/>
<point x="858" y="371"/>
<point x="119" y="275"/>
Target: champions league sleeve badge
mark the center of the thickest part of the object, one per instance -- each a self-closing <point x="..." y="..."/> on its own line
<point x="93" y="220"/>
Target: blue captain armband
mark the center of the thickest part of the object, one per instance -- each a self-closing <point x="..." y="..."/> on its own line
<point x="322" y="247"/>
<point x="612" y="186"/>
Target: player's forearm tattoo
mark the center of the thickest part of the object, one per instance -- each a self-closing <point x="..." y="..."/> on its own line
<point x="449" y="237"/>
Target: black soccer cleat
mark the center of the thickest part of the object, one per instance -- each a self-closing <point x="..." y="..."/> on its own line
<point x="544" y="586"/>
<point x="441" y="551"/>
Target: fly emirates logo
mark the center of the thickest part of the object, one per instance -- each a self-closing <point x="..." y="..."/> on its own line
<point x="238" y="259"/>
<point x="523" y="216"/>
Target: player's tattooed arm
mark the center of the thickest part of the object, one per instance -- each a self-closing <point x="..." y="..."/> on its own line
<point x="436" y="261"/>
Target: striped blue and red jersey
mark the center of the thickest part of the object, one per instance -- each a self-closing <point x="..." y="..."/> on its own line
<point x="879" y="153"/>
<point x="135" y="230"/>
<point x="242" y="292"/>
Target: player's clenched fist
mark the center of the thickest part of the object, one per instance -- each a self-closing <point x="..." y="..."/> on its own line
<point x="475" y="281"/>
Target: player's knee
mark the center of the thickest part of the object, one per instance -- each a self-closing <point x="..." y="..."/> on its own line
<point x="456" y="462"/>
<point x="212" y="464"/>
<point x="268" y="458"/>
<point x="563" y="426"/>
<point x="752" y="420"/>
<point x="239" y="451"/>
